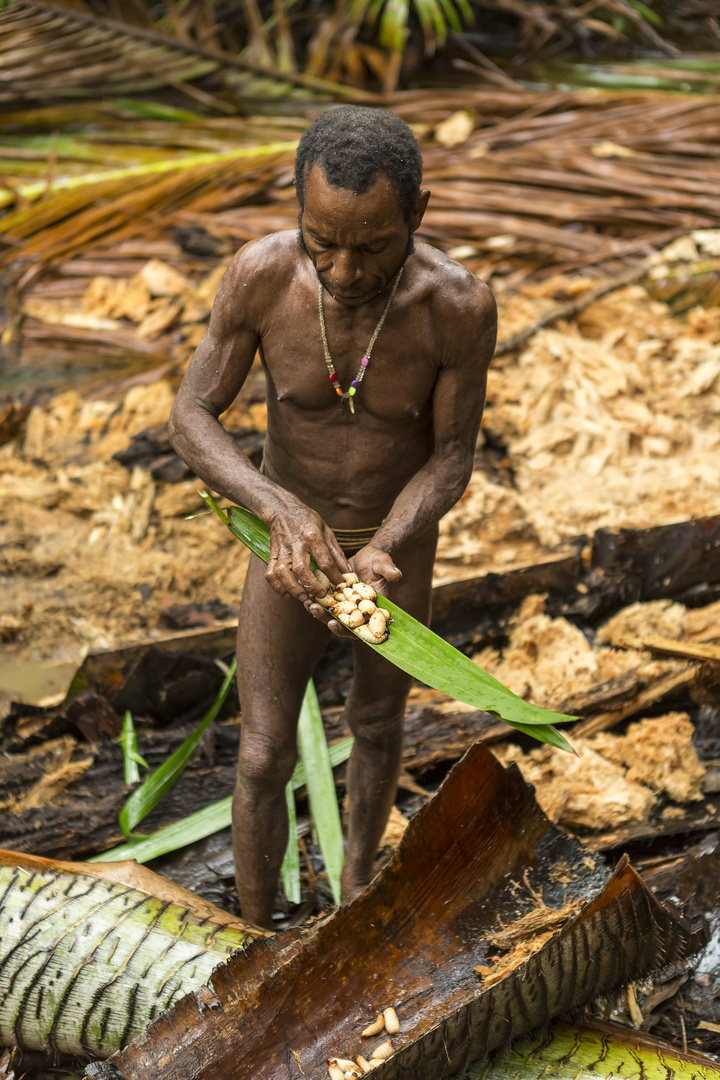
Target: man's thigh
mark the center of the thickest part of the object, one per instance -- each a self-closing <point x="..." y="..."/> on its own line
<point x="279" y="644"/>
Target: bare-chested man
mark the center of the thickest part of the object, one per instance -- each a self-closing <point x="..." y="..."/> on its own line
<point x="361" y="490"/>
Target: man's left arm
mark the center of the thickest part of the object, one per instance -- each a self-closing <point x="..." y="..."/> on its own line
<point x="458" y="401"/>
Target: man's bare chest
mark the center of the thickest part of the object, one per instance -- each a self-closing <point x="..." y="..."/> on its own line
<point x="397" y="383"/>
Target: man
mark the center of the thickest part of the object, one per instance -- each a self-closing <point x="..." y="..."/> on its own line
<point x="368" y="445"/>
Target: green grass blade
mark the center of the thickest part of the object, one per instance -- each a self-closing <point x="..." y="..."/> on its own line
<point x="393" y="24"/>
<point x="290" y="869"/>
<point x="202" y="823"/>
<point x="131" y="754"/>
<point x="545" y="733"/>
<point x="321" y="788"/>
<point x="421" y="653"/>
<point x="149" y="794"/>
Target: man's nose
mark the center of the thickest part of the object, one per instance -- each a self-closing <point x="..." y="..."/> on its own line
<point x="346" y="269"/>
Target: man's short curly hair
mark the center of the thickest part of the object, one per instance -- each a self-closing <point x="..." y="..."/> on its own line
<point x="353" y="145"/>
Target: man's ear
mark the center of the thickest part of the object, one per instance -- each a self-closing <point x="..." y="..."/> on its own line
<point x="420" y="208"/>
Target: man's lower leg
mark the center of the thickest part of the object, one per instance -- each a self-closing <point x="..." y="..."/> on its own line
<point x="260" y="829"/>
<point x="373" y="773"/>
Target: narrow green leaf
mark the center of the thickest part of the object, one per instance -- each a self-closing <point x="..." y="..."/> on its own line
<point x="453" y="14"/>
<point x="131" y="754"/>
<point x="202" y="823"/>
<point x="290" y="869"/>
<point x="646" y="12"/>
<point x="149" y="794"/>
<point x="421" y="653"/>
<point x="321" y="788"/>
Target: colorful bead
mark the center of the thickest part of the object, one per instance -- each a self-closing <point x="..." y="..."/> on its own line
<point x="333" y="377"/>
<point x="338" y="391"/>
<point x="355" y="382"/>
<point x="365" y="361"/>
<point x="352" y="391"/>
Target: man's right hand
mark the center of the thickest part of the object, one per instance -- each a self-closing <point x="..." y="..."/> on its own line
<point x="298" y="534"/>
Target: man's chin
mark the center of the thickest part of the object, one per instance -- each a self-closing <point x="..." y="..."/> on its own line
<point x="353" y="301"/>
<point x="349" y="299"/>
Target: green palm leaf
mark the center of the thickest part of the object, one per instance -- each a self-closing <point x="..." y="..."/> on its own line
<point x="290" y="869"/>
<point x="421" y="653"/>
<point x="317" y="760"/>
<point x="322" y="796"/>
<point x="149" y="794"/>
<point x="595" y="1049"/>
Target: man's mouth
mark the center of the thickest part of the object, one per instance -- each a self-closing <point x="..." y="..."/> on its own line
<point x="351" y="298"/>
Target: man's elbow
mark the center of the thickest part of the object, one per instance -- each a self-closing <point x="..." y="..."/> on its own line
<point x="461" y="469"/>
<point x="177" y="426"/>
<point x="461" y="482"/>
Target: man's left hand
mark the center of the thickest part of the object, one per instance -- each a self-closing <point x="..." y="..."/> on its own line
<point x="376" y="568"/>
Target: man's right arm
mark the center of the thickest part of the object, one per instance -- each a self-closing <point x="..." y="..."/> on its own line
<point x="215" y="376"/>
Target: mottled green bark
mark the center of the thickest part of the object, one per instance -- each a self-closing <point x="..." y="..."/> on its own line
<point x="597" y="1052"/>
<point x="86" y="964"/>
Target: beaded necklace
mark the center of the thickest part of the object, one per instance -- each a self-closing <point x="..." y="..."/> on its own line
<point x="349" y="394"/>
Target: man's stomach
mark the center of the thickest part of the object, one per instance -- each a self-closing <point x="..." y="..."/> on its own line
<point x="351" y="482"/>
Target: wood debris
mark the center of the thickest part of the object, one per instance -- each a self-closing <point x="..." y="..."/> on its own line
<point x="615" y="779"/>
<point x="549" y="659"/>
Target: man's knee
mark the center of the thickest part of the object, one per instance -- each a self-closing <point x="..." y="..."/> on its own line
<point x="266" y="760"/>
<point x="379" y="720"/>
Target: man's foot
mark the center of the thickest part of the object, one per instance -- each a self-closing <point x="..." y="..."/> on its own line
<point x="352" y="885"/>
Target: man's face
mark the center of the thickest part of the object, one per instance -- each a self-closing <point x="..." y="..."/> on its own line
<point x="357" y="243"/>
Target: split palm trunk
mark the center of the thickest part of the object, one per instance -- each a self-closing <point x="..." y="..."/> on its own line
<point x="488" y="922"/>
<point x="88" y="961"/>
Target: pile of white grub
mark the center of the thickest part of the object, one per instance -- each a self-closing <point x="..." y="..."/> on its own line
<point x="354" y="605"/>
<point x="344" y="1069"/>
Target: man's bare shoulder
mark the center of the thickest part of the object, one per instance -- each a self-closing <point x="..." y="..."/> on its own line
<point x="463" y="306"/>
<point x="258" y="270"/>
<point x="271" y="257"/>
<point x="451" y="287"/>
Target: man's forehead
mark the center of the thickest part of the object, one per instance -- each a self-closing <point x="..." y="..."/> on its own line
<point x="378" y="205"/>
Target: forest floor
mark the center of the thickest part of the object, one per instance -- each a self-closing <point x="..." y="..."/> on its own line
<point x="601" y="433"/>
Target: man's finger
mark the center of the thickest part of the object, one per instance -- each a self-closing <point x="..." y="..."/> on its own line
<point x="386" y="568"/>
<point x="336" y="551"/>
<point x="280" y="577"/>
<point x="318" y="612"/>
<point x="330" y="560"/>
<point x="302" y="572"/>
<point x="314" y="539"/>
